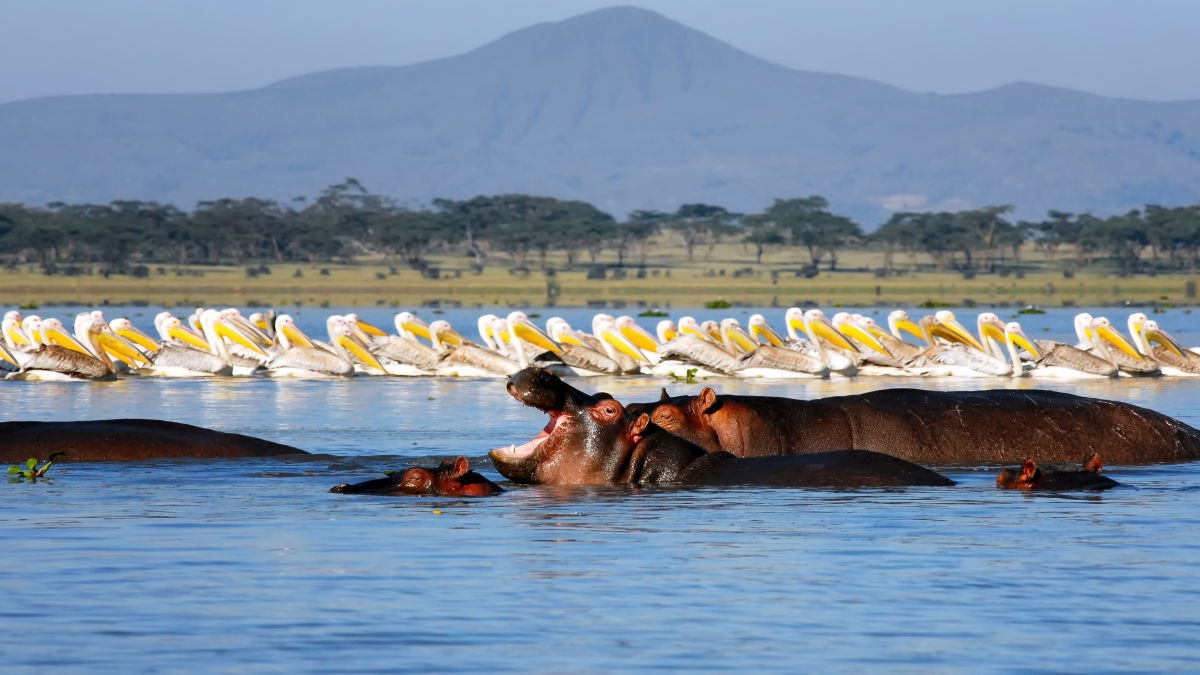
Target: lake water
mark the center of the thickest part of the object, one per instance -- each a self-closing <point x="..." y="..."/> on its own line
<point x="251" y="566"/>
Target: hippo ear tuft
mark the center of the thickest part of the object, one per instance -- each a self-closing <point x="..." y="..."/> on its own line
<point x="606" y="411"/>
<point x="664" y="395"/>
<point x="1093" y="463"/>
<point x="708" y="398"/>
<point x="461" y="466"/>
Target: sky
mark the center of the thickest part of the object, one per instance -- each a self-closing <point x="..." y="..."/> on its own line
<point x="1145" y="49"/>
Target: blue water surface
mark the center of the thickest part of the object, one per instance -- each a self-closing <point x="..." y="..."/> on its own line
<point x="252" y="566"/>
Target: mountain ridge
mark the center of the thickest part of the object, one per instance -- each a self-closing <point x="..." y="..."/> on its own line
<point x="622" y="107"/>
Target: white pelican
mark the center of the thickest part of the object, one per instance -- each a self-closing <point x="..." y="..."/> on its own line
<point x="302" y="358"/>
<point x="403" y="354"/>
<point x="1171" y="357"/>
<point x="466" y="359"/>
<point x="958" y="355"/>
<point x="797" y="358"/>
<point x="1127" y="358"/>
<point x="578" y="353"/>
<point x="53" y="361"/>
<point x="184" y="354"/>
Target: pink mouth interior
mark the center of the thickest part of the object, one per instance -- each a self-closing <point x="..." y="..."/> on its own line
<point x="528" y="448"/>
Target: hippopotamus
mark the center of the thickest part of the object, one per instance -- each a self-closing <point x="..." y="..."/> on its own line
<point x="591" y="440"/>
<point x="930" y="427"/>
<point x="451" y="479"/>
<point x="1030" y="476"/>
<point x="128" y="440"/>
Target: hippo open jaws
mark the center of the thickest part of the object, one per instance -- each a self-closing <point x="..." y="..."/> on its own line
<point x="591" y="440"/>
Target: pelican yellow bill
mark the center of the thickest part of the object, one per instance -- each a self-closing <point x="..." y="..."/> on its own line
<point x="864" y="336"/>
<point x="1114" y="338"/>
<point x="136" y="336"/>
<point x="62" y="339"/>
<point x="639" y="337"/>
<point x="824" y="328"/>
<point x="622" y="345"/>
<point x="534" y="335"/>
<point x="766" y="333"/>
<point x="360" y="351"/>
<point x="741" y="339"/>
<point x="370" y="330"/>
<point x="227" y="331"/>
<point x="184" y="334"/>
<point x="1165" y="339"/>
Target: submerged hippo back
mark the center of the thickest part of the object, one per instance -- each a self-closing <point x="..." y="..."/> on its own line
<point x="991" y="427"/>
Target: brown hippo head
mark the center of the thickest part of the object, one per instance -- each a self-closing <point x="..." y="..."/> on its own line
<point x="450" y="479"/>
<point x="688" y="417"/>
<point x="587" y="441"/>
<point x="1029" y="476"/>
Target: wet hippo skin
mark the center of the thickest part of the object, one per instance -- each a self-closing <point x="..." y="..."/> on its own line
<point x="450" y="479"/>
<point x="931" y="427"/>
<point x="592" y="440"/>
<point x="127" y="440"/>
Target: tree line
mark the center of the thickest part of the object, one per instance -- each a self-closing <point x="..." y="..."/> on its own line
<point x="347" y="222"/>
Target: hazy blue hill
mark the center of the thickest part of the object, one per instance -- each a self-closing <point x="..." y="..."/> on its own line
<point x="621" y="107"/>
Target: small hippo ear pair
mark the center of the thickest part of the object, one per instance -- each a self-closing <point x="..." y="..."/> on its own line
<point x="1093" y="463"/>
<point x="456" y="469"/>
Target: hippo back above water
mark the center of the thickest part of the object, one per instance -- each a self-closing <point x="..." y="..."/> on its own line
<point x="931" y="427"/>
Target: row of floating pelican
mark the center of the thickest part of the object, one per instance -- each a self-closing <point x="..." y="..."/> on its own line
<point x="222" y="342"/>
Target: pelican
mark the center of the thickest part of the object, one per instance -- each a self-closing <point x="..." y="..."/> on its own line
<point x="796" y="358"/>
<point x="578" y="354"/>
<point x="182" y="353"/>
<point x="1127" y="358"/>
<point x="958" y="355"/>
<point x="302" y="358"/>
<point x="904" y="352"/>
<point x="1172" y="358"/>
<point x="52" y="361"/>
<point x="403" y="354"/>
<point x="1058" y="360"/>
<point x="466" y="359"/>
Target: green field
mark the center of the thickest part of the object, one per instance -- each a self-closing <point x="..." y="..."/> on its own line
<point x="728" y="272"/>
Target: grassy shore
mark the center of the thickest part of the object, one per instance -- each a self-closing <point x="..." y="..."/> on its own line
<point x="728" y="273"/>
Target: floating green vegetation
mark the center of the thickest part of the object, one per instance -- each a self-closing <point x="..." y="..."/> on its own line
<point x="28" y="305"/>
<point x="32" y="471"/>
<point x="689" y="376"/>
<point x="653" y="312"/>
<point x="932" y="304"/>
<point x="1031" y="310"/>
<point x="717" y="304"/>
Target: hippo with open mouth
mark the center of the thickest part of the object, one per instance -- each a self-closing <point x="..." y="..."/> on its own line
<point x="591" y="440"/>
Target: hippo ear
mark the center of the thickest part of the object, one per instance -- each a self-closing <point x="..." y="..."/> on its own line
<point x="708" y="398"/>
<point x="1007" y="478"/>
<point x="1093" y="463"/>
<point x="606" y="411"/>
<point x="639" y="425"/>
<point x="461" y="466"/>
<point x="664" y="395"/>
<point x="1028" y="471"/>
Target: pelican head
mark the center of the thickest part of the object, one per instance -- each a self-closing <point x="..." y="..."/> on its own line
<point x="948" y="321"/>
<point x="125" y="328"/>
<point x="637" y="336"/>
<point x="898" y="320"/>
<point x="761" y="331"/>
<point x="735" y="337"/>
<point x="1150" y="332"/>
<point x="344" y="334"/>
<point x="1015" y="335"/>
<point x="289" y="333"/>
<point x="848" y="325"/>
<point x="520" y="326"/>
<point x="688" y="324"/>
<point x="606" y="330"/>
<point x="666" y="330"/>
<point x="1102" y="329"/>
<point x="819" y="326"/>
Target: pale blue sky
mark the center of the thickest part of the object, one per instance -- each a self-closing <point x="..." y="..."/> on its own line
<point x="1143" y="49"/>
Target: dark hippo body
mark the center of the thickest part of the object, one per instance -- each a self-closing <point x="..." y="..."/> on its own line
<point x="451" y="479"/>
<point x="1031" y="476"/>
<point x="591" y="440"/>
<point x="127" y="440"/>
<point x="931" y="427"/>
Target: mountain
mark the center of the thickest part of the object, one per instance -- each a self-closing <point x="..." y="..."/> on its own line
<point x="621" y="107"/>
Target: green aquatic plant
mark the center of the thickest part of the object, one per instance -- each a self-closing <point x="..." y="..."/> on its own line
<point x="717" y="304"/>
<point x="1031" y="310"/>
<point x="689" y="377"/>
<point x="32" y="471"/>
<point x="653" y="312"/>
